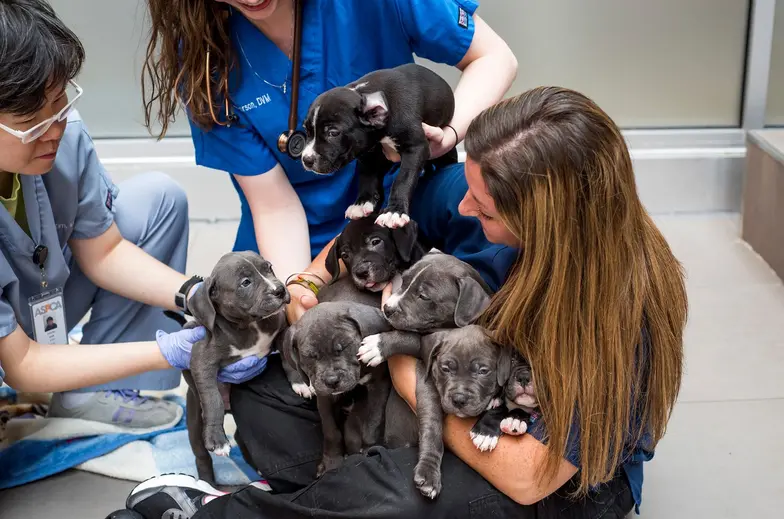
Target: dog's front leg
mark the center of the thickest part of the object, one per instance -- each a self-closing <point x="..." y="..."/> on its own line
<point x="371" y="168"/>
<point x="396" y="213"/>
<point x="332" y="455"/>
<point x="487" y="430"/>
<point x="204" y="369"/>
<point x="193" y="421"/>
<point x="430" y="415"/>
<point x="378" y="347"/>
<point x="373" y="426"/>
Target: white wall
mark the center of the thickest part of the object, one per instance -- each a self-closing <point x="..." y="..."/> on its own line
<point x="662" y="63"/>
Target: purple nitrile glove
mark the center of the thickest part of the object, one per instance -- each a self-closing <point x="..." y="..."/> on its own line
<point x="176" y="349"/>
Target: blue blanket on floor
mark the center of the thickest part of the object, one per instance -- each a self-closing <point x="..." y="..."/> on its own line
<point x="41" y="447"/>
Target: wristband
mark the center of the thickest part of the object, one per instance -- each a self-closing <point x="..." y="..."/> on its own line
<point x="181" y="297"/>
<point x="457" y="137"/>
<point x="297" y="279"/>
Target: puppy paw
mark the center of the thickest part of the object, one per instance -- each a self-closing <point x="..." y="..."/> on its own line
<point x="393" y="220"/>
<point x="215" y="441"/>
<point x="356" y="211"/>
<point x="496" y="402"/>
<point x="513" y="426"/>
<point x="484" y="442"/>
<point x="369" y="352"/>
<point x="304" y="390"/>
<point x="427" y="480"/>
<point x="328" y="463"/>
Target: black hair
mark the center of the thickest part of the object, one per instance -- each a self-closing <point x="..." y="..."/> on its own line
<point x="37" y="51"/>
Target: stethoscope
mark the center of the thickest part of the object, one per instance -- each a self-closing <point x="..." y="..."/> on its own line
<point x="292" y="141"/>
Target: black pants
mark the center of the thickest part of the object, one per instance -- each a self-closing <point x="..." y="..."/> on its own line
<point x="280" y="434"/>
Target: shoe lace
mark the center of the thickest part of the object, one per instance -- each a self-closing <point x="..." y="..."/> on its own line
<point x="129" y="396"/>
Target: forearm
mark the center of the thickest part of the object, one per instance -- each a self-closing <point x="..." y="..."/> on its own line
<point x="283" y="238"/>
<point x="128" y="271"/>
<point x="489" y="69"/>
<point x="34" y="367"/>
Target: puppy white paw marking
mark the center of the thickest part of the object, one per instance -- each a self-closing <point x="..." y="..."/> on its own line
<point x="222" y="450"/>
<point x="496" y="402"/>
<point x="355" y="212"/>
<point x="303" y="390"/>
<point x="393" y="220"/>
<point x="369" y="352"/>
<point x="484" y="442"/>
<point x="513" y="426"/>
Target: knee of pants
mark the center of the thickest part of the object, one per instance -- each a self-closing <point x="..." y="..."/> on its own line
<point x="151" y="204"/>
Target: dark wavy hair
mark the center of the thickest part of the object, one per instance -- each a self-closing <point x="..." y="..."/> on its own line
<point x="37" y="52"/>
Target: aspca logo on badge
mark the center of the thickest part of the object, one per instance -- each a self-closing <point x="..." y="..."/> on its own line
<point x="47" y="308"/>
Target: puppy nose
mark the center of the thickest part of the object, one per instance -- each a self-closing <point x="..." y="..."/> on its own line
<point x="331" y="379"/>
<point x="308" y="161"/>
<point x="459" y="399"/>
<point x="279" y="291"/>
<point x="362" y="273"/>
<point x="389" y="311"/>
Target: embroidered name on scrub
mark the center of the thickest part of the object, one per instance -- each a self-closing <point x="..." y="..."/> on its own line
<point x="260" y="101"/>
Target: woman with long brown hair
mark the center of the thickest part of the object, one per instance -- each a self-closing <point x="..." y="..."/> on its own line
<point x="595" y="301"/>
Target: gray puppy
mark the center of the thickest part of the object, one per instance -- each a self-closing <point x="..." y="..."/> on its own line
<point x="438" y="291"/>
<point x="320" y="358"/>
<point x="461" y="373"/>
<point x="241" y="306"/>
<point x="516" y="409"/>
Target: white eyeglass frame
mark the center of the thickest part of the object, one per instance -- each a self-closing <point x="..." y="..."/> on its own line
<point x="41" y="128"/>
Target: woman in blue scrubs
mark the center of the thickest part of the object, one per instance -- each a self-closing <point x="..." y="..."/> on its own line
<point x="290" y="215"/>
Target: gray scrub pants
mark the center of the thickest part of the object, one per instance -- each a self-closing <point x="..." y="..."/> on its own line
<point x="151" y="210"/>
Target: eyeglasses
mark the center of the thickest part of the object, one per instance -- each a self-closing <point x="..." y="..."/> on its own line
<point x="41" y="128"/>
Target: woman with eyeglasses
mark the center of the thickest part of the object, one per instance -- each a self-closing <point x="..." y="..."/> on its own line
<point x="73" y="243"/>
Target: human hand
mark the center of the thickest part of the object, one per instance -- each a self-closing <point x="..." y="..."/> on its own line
<point x="176" y="348"/>
<point x="302" y="299"/>
<point x="441" y="141"/>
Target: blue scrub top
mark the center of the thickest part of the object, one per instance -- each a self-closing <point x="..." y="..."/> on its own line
<point x="73" y="200"/>
<point x="341" y="41"/>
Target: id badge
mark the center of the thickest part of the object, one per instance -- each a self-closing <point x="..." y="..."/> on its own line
<point x="48" y="312"/>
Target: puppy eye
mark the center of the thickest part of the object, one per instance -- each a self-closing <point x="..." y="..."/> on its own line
<point x="375" y="242"/>
<point x="423" y="296"/>
<point x="484" y="370"/>
<point x="245" y="283"/>
<point x="444" y="368"/>
<point x="344" y="255"/>
<point x="332" y="132"/>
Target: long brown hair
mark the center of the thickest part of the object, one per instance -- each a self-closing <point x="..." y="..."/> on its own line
<point x="594" y="276"/>
<point x="175" y="68"/>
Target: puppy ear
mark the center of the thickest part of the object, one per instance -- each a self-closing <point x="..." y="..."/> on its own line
<point x="368" y="319"/>
<point x="374" y="110"/>
<point x="333" y="259"/>
<point x="406" y="242"/>
<point x="504" y="368"/>
<point x="471" y="301"/>
<point x="431" y="346"/>
<point x="201" y="305"/>
<point x="290" y="357"/>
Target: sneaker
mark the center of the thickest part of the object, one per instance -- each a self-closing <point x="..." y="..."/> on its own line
<point x="118" y="407"/>
<point x="170" y="496"/>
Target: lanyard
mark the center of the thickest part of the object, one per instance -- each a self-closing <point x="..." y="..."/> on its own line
<point x="39" y="258"/>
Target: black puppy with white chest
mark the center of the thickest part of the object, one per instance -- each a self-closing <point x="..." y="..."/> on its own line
<point x="387" y="106"/>
<point x="241" y="305"/>
<point x="374" y="254"/>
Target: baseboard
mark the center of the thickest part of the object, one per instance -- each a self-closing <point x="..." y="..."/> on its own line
<point x="677" y="171"/>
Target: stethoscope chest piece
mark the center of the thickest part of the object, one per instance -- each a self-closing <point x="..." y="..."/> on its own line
<point x="292" y="143"/>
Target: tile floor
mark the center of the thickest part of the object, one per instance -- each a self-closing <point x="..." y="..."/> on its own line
<point x="722" y="456"/>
